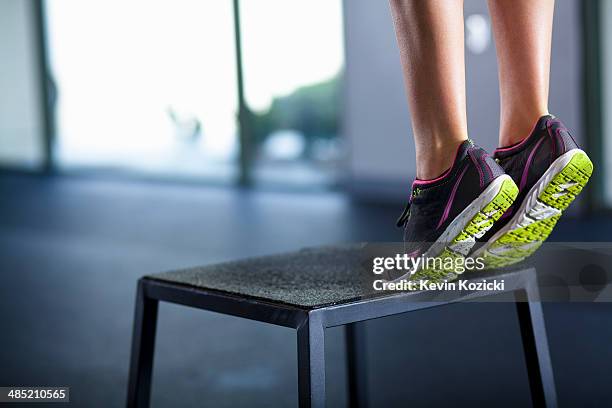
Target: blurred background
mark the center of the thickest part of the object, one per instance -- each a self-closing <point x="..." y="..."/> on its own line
<point x="142" y="136"/>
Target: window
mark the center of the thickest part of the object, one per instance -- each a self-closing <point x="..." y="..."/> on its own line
<point x="152" y="87"/>
<point x="293" y="58"/>
<point x="148" y="86"/>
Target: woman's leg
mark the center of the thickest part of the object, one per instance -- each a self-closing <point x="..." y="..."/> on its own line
<point x="523" y="34"/>
<point x="431" y="43"/>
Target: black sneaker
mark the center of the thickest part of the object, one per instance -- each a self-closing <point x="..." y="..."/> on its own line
<point x="445" y="216"/>
<point x="550" y="171"/>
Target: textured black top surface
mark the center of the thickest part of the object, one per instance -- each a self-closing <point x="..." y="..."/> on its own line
<point x="311" y="277"/>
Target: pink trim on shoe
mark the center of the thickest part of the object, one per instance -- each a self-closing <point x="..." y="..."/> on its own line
<point x="529" y="160"/>
<point x="480" y="174"/>
<point x="418" y="182"/>
<point x="519" y="144"/>
<point x="449" y="203"/>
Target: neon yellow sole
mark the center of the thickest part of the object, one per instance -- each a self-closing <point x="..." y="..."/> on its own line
<point x="445" y="264"/>
<point x="519" y="243"/>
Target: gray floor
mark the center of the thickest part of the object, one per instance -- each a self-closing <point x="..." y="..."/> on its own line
<point x="72" y="249"/>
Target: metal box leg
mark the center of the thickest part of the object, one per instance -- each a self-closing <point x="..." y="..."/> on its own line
<point x="535" y="348"/>
<point x="311" y="362"/>
<point x="356" y="368"/>
<point x="143" y="346"/>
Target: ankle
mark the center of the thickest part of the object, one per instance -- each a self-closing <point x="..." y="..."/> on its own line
<point x="434" y="159"/>
<point x="517" y="127"/>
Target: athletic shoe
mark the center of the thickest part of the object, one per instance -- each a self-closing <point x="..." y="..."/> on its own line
<point x="445" y="216"/>
<point x="550" y="171"/>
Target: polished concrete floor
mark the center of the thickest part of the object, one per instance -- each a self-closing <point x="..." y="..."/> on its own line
<point x="71" y="250"/>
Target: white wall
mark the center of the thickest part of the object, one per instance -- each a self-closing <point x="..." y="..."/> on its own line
<point x="21" y="124"/>
<point x="376" y="117"/>
<point x="375" y="121"/>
